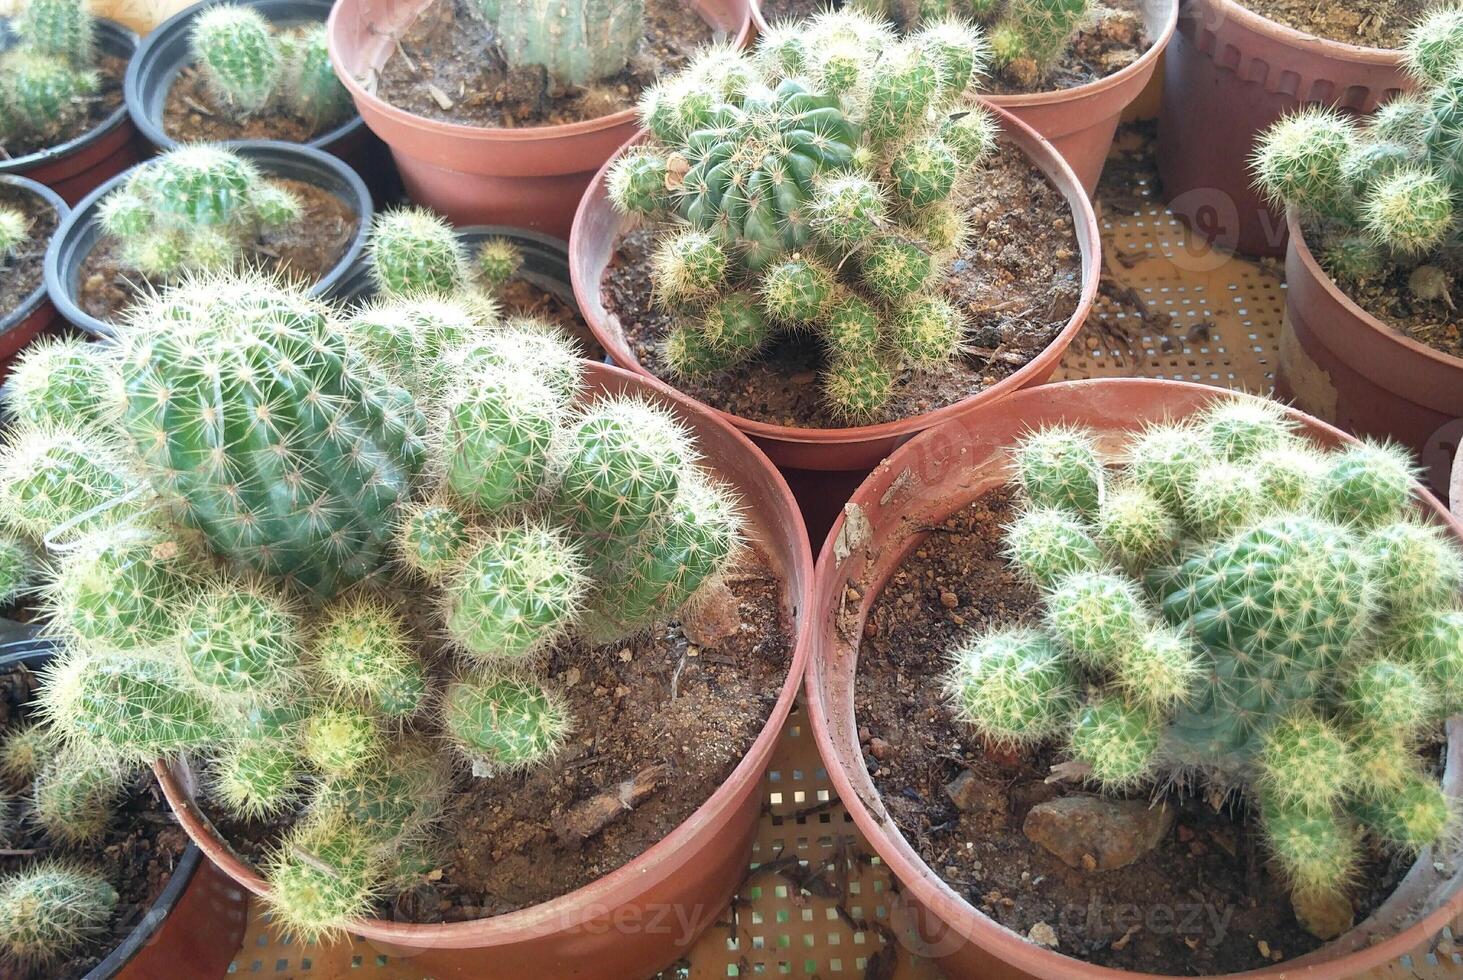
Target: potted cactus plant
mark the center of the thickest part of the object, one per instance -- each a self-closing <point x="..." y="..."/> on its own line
<point x="501" y="113"/>
<point x="29" y="215"/>
<point x="257" y="70"/>
<point x="817" y="240"/>
<point x="202" y="208"/>
<point x="1371" y="327"/>
<point x="432" y="568"/>
<point x="1209" y="637"/>
<point x="90" y="887"/>
<point x="61" y="70"/>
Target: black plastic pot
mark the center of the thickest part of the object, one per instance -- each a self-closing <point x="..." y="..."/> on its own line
<point x="195" y="926"/>
<point x="167" y="50"/>
<point x="37" y="314"/>
<point x="545" y="265"/>
<point x="73" y="168"/>
<point x="78" y="234"/>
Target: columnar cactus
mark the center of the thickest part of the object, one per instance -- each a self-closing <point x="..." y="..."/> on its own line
<point x="812" y="195"/>
<point x="577" y="43"/>
<point x="194" y="209"/>
<point x="1383" y="193"/>
<point x="251" y="67"/>
<point x="1297" y="651"/>
<point x="49" y="909"/>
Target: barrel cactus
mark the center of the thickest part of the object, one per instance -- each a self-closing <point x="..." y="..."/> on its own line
<point x="14" y="232"/>
<point x="577" y="43"/>
<point x="816" y="196"/>
<point x="61" y="382"/>
<point x="1298" y="655"/>
<point x="250" y="66"/>
<point x="49" y="909"/>
<point x="43" y="98"/>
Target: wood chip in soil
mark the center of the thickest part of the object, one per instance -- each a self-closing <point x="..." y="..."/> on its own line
<point x="111" y="70"/>
<point x="1203" y="900"/>
<point x="660" y="714"/>
<point x="1019" y="281"/>
<point x="191" y="114"/>
<point x="448" y="65"/>
<point x="304" y="251"/>
<point x="141" y="849"/>
<point x="1382" y="24"/>
<point x="24" y="272"/>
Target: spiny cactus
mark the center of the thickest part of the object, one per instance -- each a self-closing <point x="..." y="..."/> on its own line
<point x="44" y="96"/>
<point x="324" y="875"/>
<point x="499" y="425"/>
<point x="498" y="261"/>
<point x="503" y="722"/>
<point x="26" y="748"/>
<point x="430" y="539"/>
<point x="62" y="29"/>
<point x="340" y="738"/>
<point x="57" y="482"/>
<point x="121" y="588"/>
<point x="1282" y="625"/>
<point x="14" y="231"/>
<point x="250" y="66"/>
<point x="19" y="569"/>
<point x="255" y="780"/>
<point x="414" y="250"/>
<point x="61" y="382"/>
<point x="1433" y="45"/>
<point x="240" y="643"/>
<point x="311" y="89"/>
<point x="362" y="649"/>
<point x="75" y="791"/>
<point x="577" y="43"/>
<point x="193" y="209"/>
<point x="49" y="909"/>
<point x="817" y="198"/>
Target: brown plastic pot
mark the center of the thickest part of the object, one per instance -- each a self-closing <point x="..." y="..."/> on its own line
<point x="592" y="245"/>
<point x="529" y="178"/>
<point x="73" y="168"/>
<point x="1082" y="121"/>
<point x="36" y="314"/>
<point x="1229" y="74"/>
<point x="920" y="486"/>
<point x="1341" y="364"/>
<point x="646" y="914"/>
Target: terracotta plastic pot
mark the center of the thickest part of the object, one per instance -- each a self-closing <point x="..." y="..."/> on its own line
<point x="197" y="920"/>
<point x="73" y="168"/>
<point x="646" y="914"/>
<point x="921" y="485"/>
<point x="1081" y="122"/>
<point x="1229" y="74"/>
<point x="78" y="234"/>
<point x="1341" y="364"/>
<point x="37" y="314"/>
<point x="167" y="50"/>
<point x="529" y="178"/>
<point x="592" y="245"/>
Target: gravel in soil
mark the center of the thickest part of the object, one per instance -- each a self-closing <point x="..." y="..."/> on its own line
<point x="305" y="251"/>
<point x="1018" y="280"/>
<point x="1383" y="24"/>
<point x="138" y="854"/>
<point x="98" y="107"/>
<point x="449" y="66"/>
<point x="24" y="272"/>
<point x="1203" y="901"/>
<point x="1114" y="39"/>
<point x="191" y="114"/>
<point x="664" y="711"/>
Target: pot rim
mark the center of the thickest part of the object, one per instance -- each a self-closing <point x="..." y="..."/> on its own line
<point x="489" y="134"/>
<point x="359" y="198"/>
<point x="107" y="31"/>
<point x="37" y="296"/>
<point x="929" y="889"/>
<point x="594" y="899"/>
<point x="1320" y="46"/>
<point x="152" y="130"/>
<point x="1036" y="149"/>
<point x="1313" y="269"/>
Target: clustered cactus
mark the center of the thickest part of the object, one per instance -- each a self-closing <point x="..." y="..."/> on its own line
<point x="48" y="78"/>
<point x="577" y="42"/>
<point x="1236" y="605"/>
<point x="813" y="185"/>
<point x="272" y="515"/>
<point x="195" y="209"/>
<point x="250" y="66"/>
<point x="1027" y="37"/>
<point x="1383" y="194"/>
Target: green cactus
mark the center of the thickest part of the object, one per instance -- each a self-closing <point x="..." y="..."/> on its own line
<point x="1316" y="850"/>
<point x="393" y="799"/>
<point x="1304" y="761"/>
<point x="1433" y="44"/>
<point x="430" y="539"/>
<point x="256" y="780"/>
<point x="121" y="588"/>
<point x="857" y="386"/>
<point x="310" y="87"/>
<point x="235" y="49"/>
<point x="1223" y="497"/>
<point x="1431" y="641"/>
<point x="338" y="739"/>
<point x="61" y="29"/>
<point x="1167" y="459"/>
<point x="1409" y="211"/>
<point x="503" y="723"/>
<point x="1414" y="565"/>
<point x="622" y="464"/>
<point x="637" y="182"/>
<point x="14" y="231"/>
<point x="1159" y="672"/>
<point x="56" y="482"/>
<point x="1300" y="160"/>
<point x="576" y="43"/>
<point x="498" y="261"/>
<point x="19" y="569"/>
<point x="415" y="251"/>
<point x="1046" y="544"/>
<point x="1386" y="696"/>
<point x="51" y="908"/>
<point x="222" y="406"/>
<point x="1058" y="466"/>
<point x="1410" y="816"/>
<point x="362" y="649"/>
<point x="1099" y="617"/>
<point x="1370" y="483"/>
<point x="324" y="875"/>
<point x="523" y="344"/>
<point x="1117" y="741"/>
<point x="1036" y="31"/>
<point x="25" y="751"/>
<point x="1013" y="687"/>
<point x="240" y="643"/>
<point x="75" y="791"/>
<point x="1134" y="527"/>
<point x="499" y="427"/>
<point x="44" y="96"/>
<point x="61" y="382"/>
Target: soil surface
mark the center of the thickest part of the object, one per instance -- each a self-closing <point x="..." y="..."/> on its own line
<point x="1114" y="39"/>
<point x="519" y="296"/>
<point x="1383" y="24"/>
<point x="1019" y="281"/>
<point x="191" y="114"/>
<point x="138" y="854"/>
<point x="98" y="107"/>
<point x="306" y="250"/>
<point x="452" y="53"/>
<point x="24" y="272"/>
<point x="679" y="715"/>
<point x="1202" y="902"/>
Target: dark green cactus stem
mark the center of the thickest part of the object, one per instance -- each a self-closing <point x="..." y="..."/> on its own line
<point x="394" y="798"/>
<point x="431" y="538"/>
<point x="623" y="465"/>
<point x="252" y="415"/>
<point x="50" y="909"/>
<point x="241" y="644"/>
